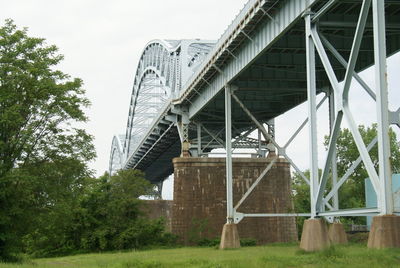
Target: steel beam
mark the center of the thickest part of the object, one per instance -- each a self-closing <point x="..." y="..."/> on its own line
<point x="199" y="152"/>
<point x="334" y="157"/>
<point x="349" y="171"/>
<point x="312" y="114"/>
<point x="351" y="212"/>
<point x="385" y="173"/>
<point x="355" y="49"/>
<point x="323" y="10"/>
<point x="342" y="61"/>
<point x="228" y="146"/>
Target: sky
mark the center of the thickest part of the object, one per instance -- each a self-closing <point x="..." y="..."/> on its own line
<point x="102" y="42"/>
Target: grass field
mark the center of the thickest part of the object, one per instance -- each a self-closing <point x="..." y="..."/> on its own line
<point x="282" y="255"/>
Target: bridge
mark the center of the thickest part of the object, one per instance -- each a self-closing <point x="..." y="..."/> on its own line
<point x="192" y="96"/>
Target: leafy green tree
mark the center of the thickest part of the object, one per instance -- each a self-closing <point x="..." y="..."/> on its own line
<point x="111" y="218"/>
<point x="39" y="105"/>
<point x="56" y="189"/>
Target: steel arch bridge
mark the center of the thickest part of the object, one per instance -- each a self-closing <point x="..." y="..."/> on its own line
<point x="163" y="66"/>
<point x="275" y="55"/>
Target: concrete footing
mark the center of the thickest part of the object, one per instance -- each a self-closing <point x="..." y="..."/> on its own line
<point x="336" y="234"/>
<point x="229" y="237"/>
<point x="315" y="235"/>
<point x="385" y="232"/>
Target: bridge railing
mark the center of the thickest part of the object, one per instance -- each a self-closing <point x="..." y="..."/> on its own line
<point x="232" y="28"/>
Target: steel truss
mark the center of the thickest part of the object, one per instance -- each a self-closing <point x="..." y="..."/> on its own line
<point x="162" y="69"/>
<point x="233" y="216"/>
<point x="207" y="140"/>
<point x="339" y="110"/>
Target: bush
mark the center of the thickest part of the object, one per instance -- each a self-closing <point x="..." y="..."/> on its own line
<point x="248" y="242"/>
<point x="205" y="242"/>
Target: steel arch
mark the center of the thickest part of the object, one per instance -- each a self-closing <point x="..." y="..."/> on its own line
<point x="164" y="66"/>
<point x="155" y="82"/>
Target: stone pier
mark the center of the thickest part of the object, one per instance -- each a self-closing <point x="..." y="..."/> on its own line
<point x="155" y="209"/>
<point x="199" y="206"/>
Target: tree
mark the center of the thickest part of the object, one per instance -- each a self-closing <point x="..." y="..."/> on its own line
<point x="110" y="214"/>
<point x="55" y="190"/>
<point x="38" y="104"/>
<point x="40" y="149"/>
<point x="352" y="193"/>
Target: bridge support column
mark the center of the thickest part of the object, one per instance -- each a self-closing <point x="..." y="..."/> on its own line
<point x="385" y="232"/>
<point x="183" y="130"/>
<point x="315" y="235"/>
<point x="199" y="206"/>
<point x="385" y="229"/>
<point x="230" y="236"/>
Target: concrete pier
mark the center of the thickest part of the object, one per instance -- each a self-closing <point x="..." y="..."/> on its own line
<point x="385" y="232"/>
<point x="199" y="206"/>
<point x="315" y="235"/>
<point x="230" y="236"/>
<point x="337" y="234"/>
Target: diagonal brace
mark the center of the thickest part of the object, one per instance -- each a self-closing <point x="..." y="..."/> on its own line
<point x="267" y="136"/>
<point x="348" y="172"/>
<point x="256" y="182"/>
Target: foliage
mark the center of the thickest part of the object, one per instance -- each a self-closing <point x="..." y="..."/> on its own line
<point x="50" y="204"/>
<point x="248" y="242"/>
<point x="45" y="199"/>
<point x="244" y="242"/>
<point x="38" y="104"/>
<point x="105" y="216"/>
<point x="206" y="242"/>
<point x="198" y="227"/>
<point x="42" y="157"/>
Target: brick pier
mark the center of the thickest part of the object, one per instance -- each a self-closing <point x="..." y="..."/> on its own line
<point x="199" y="206"/>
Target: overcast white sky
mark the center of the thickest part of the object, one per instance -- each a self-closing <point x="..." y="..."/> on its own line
<point x="102" y="41"/>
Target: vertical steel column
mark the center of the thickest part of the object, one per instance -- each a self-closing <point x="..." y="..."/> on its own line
<point x="312" y="114"/>
<point x="199" y="139"/>
<point x="159" y="189"/>
<point x="332" y="116"/>
<point x="259" y="142"/>
<point x="228" y="146"/>
<point x="385" y="173"/>
<point x="271" y="127"/>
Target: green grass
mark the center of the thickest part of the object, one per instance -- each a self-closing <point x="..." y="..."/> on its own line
<point x="279" y="255"/>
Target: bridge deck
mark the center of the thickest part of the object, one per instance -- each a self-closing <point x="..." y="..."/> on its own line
<point x="263" y="53"/>
<point x="274" y="80"/>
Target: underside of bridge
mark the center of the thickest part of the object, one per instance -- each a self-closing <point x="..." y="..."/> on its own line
<point x="274" y="56"/>
<point x="275" y="81"/>
<point x="269" y="84"/>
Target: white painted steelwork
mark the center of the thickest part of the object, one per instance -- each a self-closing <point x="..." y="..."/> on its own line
<point x="163" y="66"/>
<point x="274" y="56"/>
